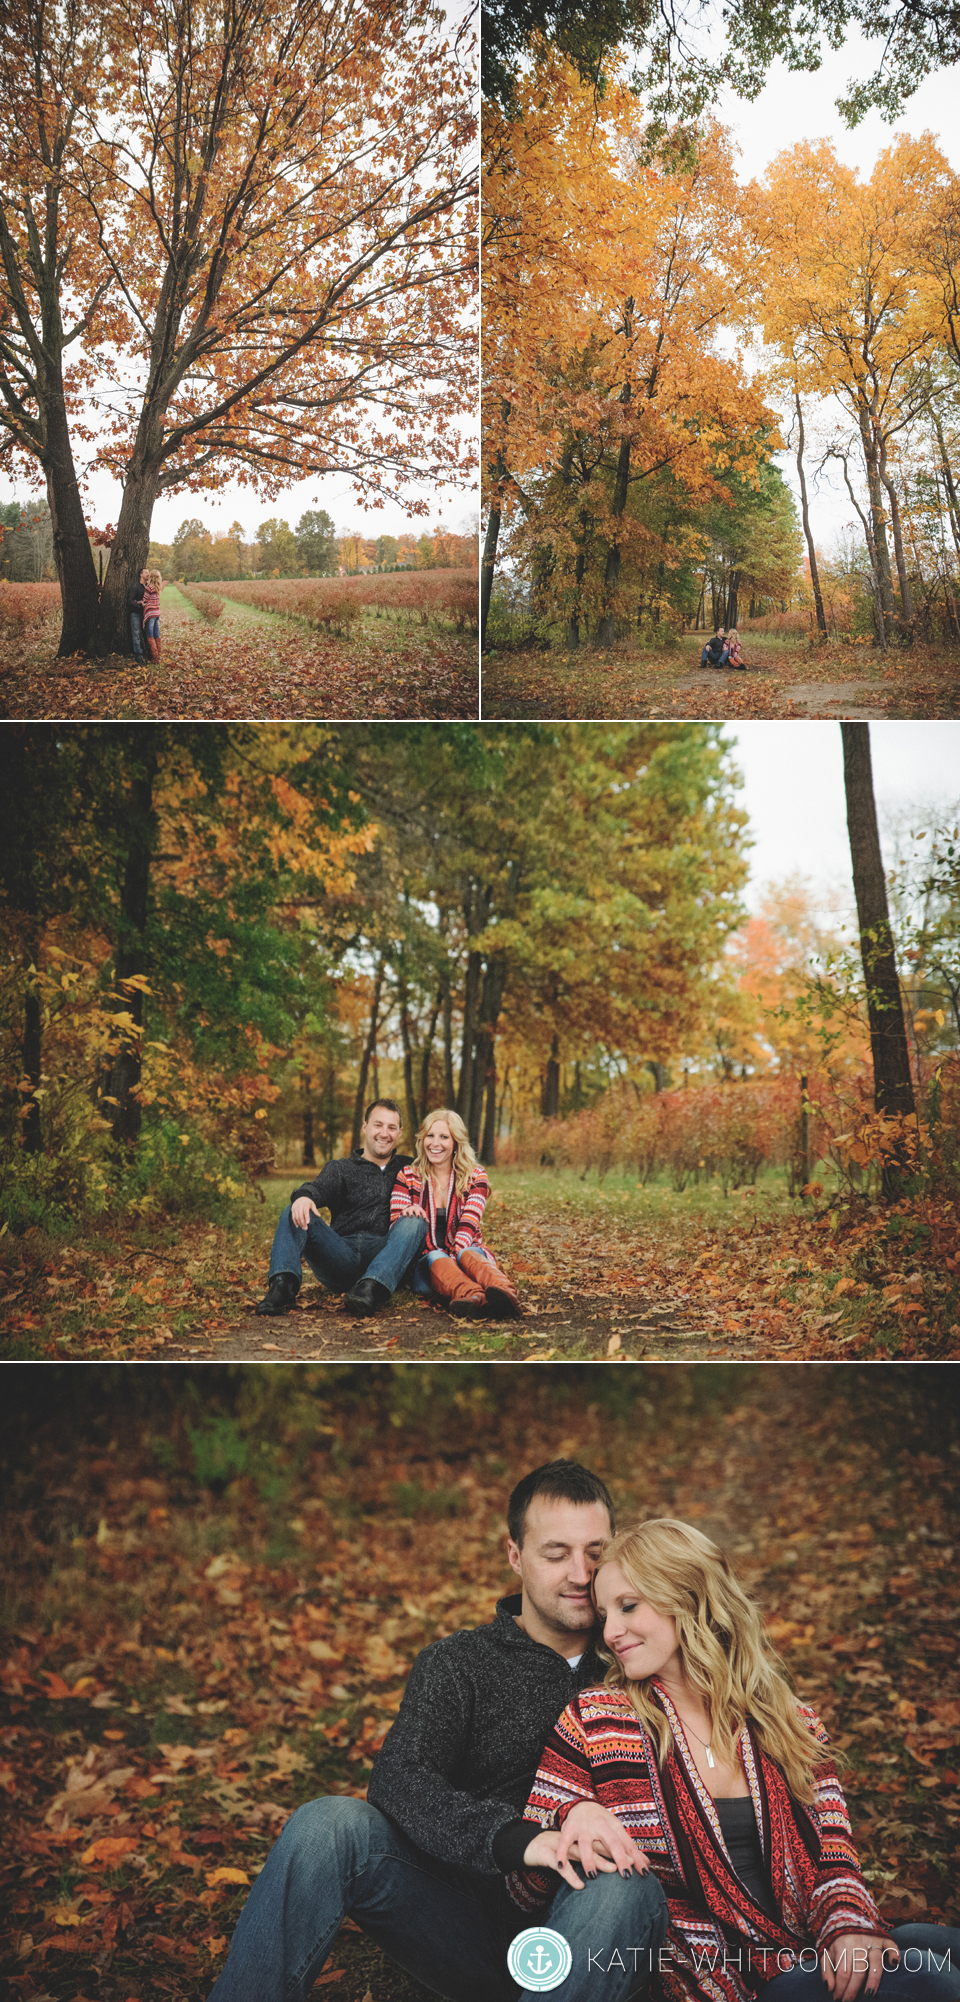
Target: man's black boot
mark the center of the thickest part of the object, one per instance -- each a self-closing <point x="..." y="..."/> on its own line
<point x="280" y="1294"/>
<point x="366" y="1297"/>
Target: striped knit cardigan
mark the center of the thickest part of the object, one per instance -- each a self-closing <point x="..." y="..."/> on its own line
<point x="720" y="1944"/>
<point x="464" y="1213"/>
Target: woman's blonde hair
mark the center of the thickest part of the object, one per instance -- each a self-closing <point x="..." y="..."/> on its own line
<point x="155" y="580"/>
<point x="724" y="1649"/>
<point x="465" y="1163"/>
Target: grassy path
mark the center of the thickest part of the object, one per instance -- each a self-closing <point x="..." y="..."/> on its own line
<point x="252" y="664"/>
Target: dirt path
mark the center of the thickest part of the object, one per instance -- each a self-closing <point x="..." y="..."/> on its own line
<point x="557" y="1327"/>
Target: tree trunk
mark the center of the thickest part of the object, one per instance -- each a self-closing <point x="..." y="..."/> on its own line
<point x="880" y="550"/>
<point x="906" y="593"/>
<point x="131" y="959"/>
<point x="550" y="1091"/>
<point x="805" y="511"/>
<point x="309" y="1145"/>
<point x="488" y="566"/>
<point x="72" y="553"/>
<point x="424" y="1102"/>
<point x="449" y="1086"/>
<point x="611" y="575"/>
<point x="127" y="558"/>
<point x="410" y="1100"/>
<point x="892" y="1082"/>
<point x="471" y="997"/>
<point x="368" y="1052"/>
<point x="485" y="1074"/>
<point x="32" y="1136"/>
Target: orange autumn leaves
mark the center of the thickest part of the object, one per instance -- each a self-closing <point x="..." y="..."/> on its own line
<point x="608" y="276"/>
<point x="622" y="284"/>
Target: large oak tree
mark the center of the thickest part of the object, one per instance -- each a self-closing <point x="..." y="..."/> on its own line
<point x="243" y="237"/>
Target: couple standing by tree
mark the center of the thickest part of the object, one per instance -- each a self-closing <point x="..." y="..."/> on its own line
<point x="143" y="608"/>
<point x="394" y="1218"/>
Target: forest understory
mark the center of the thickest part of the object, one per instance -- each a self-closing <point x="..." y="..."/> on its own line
<point x="778" y="681"/>
<point x="603" y="1270"/>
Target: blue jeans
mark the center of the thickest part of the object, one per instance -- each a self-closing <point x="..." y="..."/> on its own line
<point x="136" y="634"/>
<point x="445" y="1926"/>
<point x="339" y="1261"/>
<point x="706" y="661"/>
<point x="152" y="626"/>
<point x="920" y="1977"/>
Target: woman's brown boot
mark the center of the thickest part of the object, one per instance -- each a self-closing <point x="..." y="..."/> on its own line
<point x="459" y="1295"/>
<point x="502" y="1298"/>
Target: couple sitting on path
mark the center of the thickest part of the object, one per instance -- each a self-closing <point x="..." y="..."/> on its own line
<point x="723" y="650"/>
<point x="394" y="1217"/>
<point x="681" y="1828"/>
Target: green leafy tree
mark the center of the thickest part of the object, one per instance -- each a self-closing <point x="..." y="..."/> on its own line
<point x="317" y="543"/>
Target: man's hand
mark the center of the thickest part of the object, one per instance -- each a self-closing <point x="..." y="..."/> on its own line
<point x="541" y="1854"/>
<point x="856" y="1963"/>
<point x="302" y="1210"/>
<point x="602" y="1841"/>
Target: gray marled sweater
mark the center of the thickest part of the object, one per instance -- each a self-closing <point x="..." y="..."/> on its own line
<point x="456" y="1769"/>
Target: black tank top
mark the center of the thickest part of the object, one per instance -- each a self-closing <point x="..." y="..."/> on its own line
<point x="738" y="1824"/>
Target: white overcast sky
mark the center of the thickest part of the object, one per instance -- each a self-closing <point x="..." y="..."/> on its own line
<point x="793" y="793"/>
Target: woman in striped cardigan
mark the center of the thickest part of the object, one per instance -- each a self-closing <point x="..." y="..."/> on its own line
<point x="446" y="1185"/>
<point x="696" y="1759"/>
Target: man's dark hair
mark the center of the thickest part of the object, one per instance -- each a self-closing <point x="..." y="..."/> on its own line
<point x="559" y="1480"/>
<point x="388" y="1105"/>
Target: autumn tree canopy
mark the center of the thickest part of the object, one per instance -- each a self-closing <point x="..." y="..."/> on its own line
<point x="231" y="243"/>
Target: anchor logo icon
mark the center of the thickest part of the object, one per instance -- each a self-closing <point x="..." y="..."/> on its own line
<point x="539" y="1959"/>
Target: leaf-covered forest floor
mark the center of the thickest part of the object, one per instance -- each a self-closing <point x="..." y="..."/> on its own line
<point x="214" y="1590"/>
<point x="607" y="1270"/>
<point x="779" y="680"/>
<point x="250" y="664"/>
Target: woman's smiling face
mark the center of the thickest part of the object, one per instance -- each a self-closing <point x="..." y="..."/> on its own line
<point x="644" y="1640"/>
<point x="438" y="1144"/>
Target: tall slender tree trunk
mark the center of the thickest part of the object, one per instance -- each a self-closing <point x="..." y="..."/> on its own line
<point x="368" y="1053"/>
<point x="449" y="1085"/>
<point x="881" y="549"/>
<point x="487" y="567"/>
<point x="892" y="1082"/>
<point x="903" y="574"/>
<point x="32" y="1134"/>
<point x="485" y="1086"/>
<point x="131" y="959"/>
<point x="309" y="1144"/>
<point x="550" y="1092"/>
<point x="72" y="554"/>
<point x="423" y="1105"/>
<point x="410" y="1098"/>
<point x="808" y="532"/>
<point x="468" y="1063"/>
<point x="611" y="575"/>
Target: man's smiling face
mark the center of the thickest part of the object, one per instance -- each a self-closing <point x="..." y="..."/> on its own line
<point x="561" y="1547"/>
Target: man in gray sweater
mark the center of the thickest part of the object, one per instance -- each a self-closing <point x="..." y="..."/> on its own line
<point x="357" y="1249"/>
<point x="420" y="1865"/>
